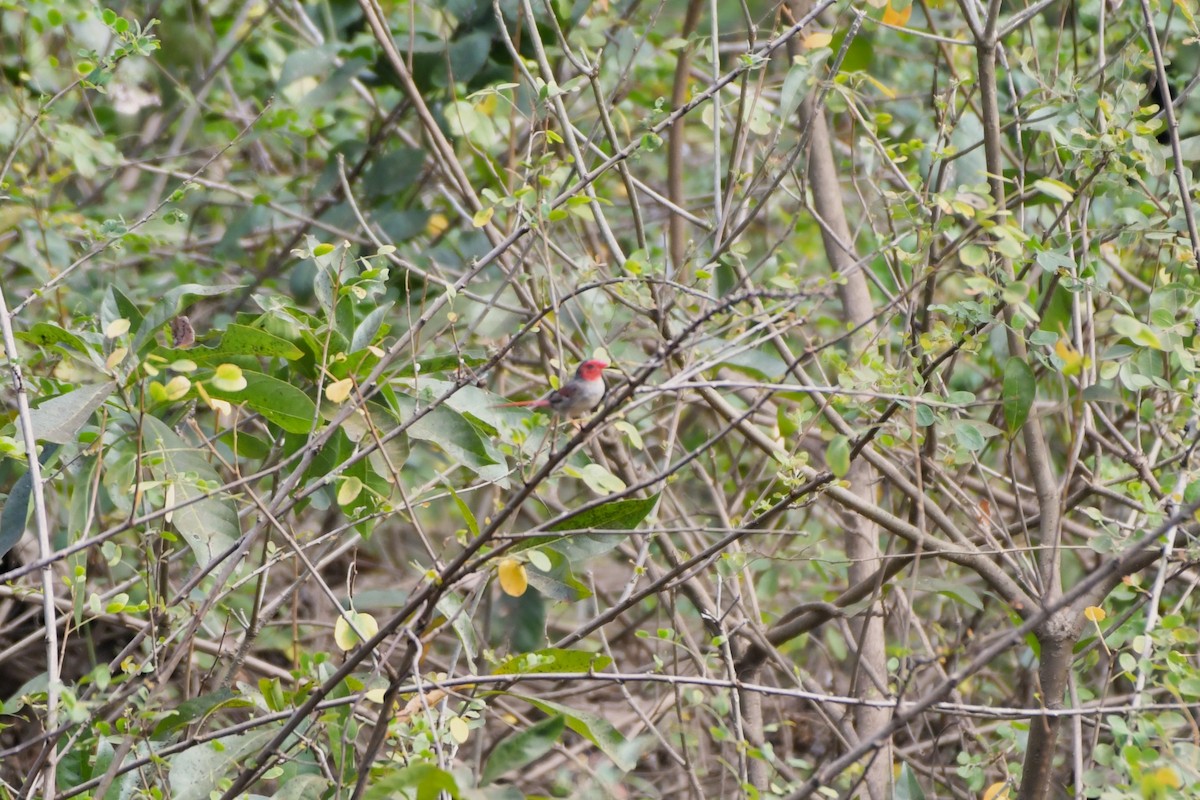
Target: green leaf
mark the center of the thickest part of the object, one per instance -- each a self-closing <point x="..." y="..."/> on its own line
<point x="364" y="334"/>
<point x="1052" y="261"/>
<point x="837" y="456"/>
<point x="47" y="334"/>
<point x="242" y="340"/>
<point x="925" y="415"/>
<point x="795" y="87"/>
<point x="955" y="590"/>
<point x="446" y="362"/>
<point x="523" y="748"/>
<point x="60" y="418"/>
<point x="305" y="786"/>
<point x="592" y="727"/>
<point x="305" y="63"/>
<point x="392" y="173"/>
<point x="524" y="619"/>
<point x="467" y="515"/>
<point x="428" y="780"/>
<point x="621" y="515"/>
<point x="279" y="402"/>
<point x="1149" y="337"/>
<point x="1137" y="331"/>
<point x="1126" y="325"/>
<point x="245" y="444"/>
<point x="597" y="478"/>
<point x="467" y="411"/>
<point x="209" y="525"/>
<point x="15" y="514"/>
<point x="29" y="692"/>
<point x="192" y="710"/>
<point x="558" y="583"/>
<point x="973" y="255"/>
<point x="969" y="435"/>
<point x="117" y="306"/>
<point x="195" y="772"/>
<point x="450" y="606"/>
<point x="759" y="364"/>
<point x="450" y="431"/>
<point x="1053" y="188"/>
<point x="552" y="659"/>
<point x="618" y="515"/>
<point x="907" y="786"/>
<point x="1020" y="387"/>
<point x="785" y="419"/>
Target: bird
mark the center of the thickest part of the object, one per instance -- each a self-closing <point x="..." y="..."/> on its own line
<point x="577" y="396"/>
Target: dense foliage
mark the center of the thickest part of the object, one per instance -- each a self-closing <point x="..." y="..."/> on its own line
<point x="892" y="493"/>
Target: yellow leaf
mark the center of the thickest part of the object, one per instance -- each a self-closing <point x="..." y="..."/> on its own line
<point x="437" y="225"/>
<point x="116" y="328"/>
<point x="890" y="94"/>
<point x="419" y="702"/>
<point x="1155" y="784"/>
<point x="220" y="406"/>
<point x="1072" y="360"/>
<point x="513" y="579"/>
<point x="229" y="378"/>
<point x="483" y="216"/>
<point x="631" y="433"/>
<point x="344" y="635"/>
<point x="997" y="791"/>
<point x="1055" y="189"/>
<point x="116" y="357"/>
<point x="178" y="387"/>
<point x="898" y="18"/>
<point x="1187" y="12"/>
<point x="349" y="491"/>
<point x="338" y="391"/>
<point x="1094" y="613"/>
<point x="459" y="729"/>
<point x="817" y="39"/>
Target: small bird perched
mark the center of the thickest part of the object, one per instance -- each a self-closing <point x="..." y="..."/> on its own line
<point x="577" y="396"/>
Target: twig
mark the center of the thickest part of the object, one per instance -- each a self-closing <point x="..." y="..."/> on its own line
<point x="45" y="549"/>
<point x="1160" y="69"/>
